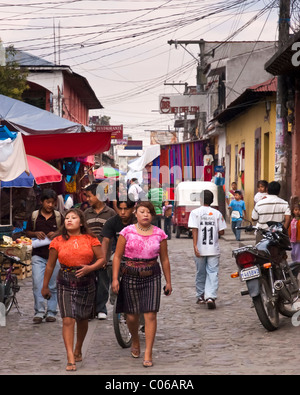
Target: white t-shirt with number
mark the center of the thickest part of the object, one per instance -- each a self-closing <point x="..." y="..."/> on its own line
<point x="209" y="222"/>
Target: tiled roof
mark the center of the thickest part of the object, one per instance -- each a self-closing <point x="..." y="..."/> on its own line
<point x="267" y="86"/>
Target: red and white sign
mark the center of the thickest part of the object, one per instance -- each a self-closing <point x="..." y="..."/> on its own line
<point x="178" y="104"/>
<point x="116" y="131"/>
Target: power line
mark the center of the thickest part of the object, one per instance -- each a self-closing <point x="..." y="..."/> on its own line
<point x="123" y="35"/>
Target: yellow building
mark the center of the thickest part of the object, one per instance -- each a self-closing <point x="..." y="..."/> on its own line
<point x="250" y="123"/>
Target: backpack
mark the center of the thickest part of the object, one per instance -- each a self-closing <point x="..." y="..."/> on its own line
<point x="35" y="214"/>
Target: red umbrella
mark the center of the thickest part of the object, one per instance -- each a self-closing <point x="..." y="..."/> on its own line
<point x="42" y="171"/>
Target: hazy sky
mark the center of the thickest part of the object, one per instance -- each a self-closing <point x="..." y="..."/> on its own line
<point x="122" y="48"/>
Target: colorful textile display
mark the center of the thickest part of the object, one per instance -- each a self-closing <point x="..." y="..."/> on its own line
<point x="184" y="158"/>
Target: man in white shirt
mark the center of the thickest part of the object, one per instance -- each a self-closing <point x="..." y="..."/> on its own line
<point x="134" y="190"/>
<point x="271" y="208"/>
<point x="207" y="225"/>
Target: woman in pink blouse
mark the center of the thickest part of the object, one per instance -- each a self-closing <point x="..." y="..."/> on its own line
<point x="139" y="246"/>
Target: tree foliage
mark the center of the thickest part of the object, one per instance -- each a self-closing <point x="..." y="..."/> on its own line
<point x="13" y="79"/>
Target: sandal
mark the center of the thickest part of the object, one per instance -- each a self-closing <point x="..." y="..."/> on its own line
<point x="78" y="357"/>
<point x="135" y="352"/>
<point x="147" y="364"/>
<point x="71" y="367"/>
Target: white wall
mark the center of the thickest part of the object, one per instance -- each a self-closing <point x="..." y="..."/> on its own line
<point x="244" y="71"/>
<point x="53" y="81"/>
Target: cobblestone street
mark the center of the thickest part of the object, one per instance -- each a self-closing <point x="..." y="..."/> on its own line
<point x="191" y="340"/>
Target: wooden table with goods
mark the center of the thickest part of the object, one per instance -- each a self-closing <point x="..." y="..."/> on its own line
<point x="22" y="248"/>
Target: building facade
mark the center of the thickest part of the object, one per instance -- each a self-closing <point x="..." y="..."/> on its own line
<point x="250" y="123"/>
<point x="286" y="63"/>
<point x="56" y="88"/>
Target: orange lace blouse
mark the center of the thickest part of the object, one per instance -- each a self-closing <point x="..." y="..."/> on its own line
<point x="77" y="251"/>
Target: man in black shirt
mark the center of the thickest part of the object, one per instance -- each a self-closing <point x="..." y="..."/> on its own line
<point x="42" y="225"/>
<point x="96" y="216"/>
<point x="111" y="230"/>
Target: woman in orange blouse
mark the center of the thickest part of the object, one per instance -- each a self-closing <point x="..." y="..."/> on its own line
<point x="76" y="248"/>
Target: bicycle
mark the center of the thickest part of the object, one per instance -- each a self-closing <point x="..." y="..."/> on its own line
<point x="9" y="281"/>
<point x="122" y="332"/>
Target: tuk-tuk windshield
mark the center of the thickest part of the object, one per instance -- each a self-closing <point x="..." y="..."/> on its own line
<point x="195" y="197"/>
<point x="188" y="193"/>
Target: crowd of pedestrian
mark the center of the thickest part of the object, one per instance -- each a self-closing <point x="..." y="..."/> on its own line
<point x="74" y="270"/>
<point x="268" y="206"/>
<point x="208" y="225"/>
<point x="109" y="251"/>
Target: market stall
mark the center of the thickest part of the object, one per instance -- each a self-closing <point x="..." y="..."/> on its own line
<point x="30" y="137"/>
<point x="40" y="172"/>
<point x="56" y="140"/>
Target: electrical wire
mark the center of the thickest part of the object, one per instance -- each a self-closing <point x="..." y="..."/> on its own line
<point x="115" y="42"/>
<point x="270" y="7"/>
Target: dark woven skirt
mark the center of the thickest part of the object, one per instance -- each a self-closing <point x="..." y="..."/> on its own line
<point x="140" y="287"/>
<point x="75" y="296"/>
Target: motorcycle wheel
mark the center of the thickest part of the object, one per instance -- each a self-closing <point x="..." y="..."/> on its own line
<point x="265" y="307"/>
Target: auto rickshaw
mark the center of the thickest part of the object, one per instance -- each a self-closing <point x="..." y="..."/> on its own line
<point x="187" y="198"/>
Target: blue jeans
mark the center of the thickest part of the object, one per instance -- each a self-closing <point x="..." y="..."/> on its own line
<point x="207" y="276"/>
<point x="236" y="232"/>
<point x="102" y="290"/>
<point x="167" y="226"/>
<point x="38" y="271"/>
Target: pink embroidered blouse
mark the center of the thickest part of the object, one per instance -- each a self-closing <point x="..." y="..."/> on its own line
<point x="142" y="246"/>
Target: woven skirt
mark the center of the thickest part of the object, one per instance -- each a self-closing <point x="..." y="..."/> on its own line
<point x="75" y="296"/>
<point x="140" y="286"/>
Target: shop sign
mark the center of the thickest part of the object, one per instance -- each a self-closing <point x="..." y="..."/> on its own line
<point x="179" y="104"/>
<point x="116" y="131"/>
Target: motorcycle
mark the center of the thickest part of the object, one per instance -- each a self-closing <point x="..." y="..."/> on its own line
<point x="272" y="282"/>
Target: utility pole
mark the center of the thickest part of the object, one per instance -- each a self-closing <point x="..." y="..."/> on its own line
<point x="54" y="41"/>
<point x="185" y="84"/>
<point x="200" y="78"/>
<point x="283" y="138"/>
